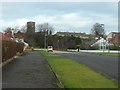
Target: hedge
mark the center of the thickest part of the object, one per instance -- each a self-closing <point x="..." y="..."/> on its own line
<point x="10" y="48"/>
<point x="20" y="47"/>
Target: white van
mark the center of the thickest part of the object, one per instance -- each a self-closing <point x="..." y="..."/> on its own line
<point x="50" y="48"/>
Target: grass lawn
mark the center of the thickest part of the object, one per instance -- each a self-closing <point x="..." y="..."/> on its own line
<point x="109" y="54"/>
<point x="75" y="75"/>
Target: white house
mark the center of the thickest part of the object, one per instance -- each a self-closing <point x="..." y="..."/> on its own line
<point x="22" y="40"/>
<point x="102" y="43"/>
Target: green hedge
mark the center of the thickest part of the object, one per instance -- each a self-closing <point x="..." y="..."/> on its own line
<point x="10" y="48"/>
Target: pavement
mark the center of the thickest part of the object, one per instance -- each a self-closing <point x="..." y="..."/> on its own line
<point x="106" y="65"/>
<point x="28" y="71"/>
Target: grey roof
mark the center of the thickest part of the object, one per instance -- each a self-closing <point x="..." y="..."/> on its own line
<point x="72" y="33"/>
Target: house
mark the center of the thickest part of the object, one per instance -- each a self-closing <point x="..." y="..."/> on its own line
<point x="81" y="35"/>
<point x="114" y="38"/>
<point x="101" y="43"/>
<point x="4" y="37"/>
<point x="17" y="38"/>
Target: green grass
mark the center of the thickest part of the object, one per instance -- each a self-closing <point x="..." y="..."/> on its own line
<point x="76" y="75"/>
<point x="109" y="54"/>
<point x="48" y="53"/>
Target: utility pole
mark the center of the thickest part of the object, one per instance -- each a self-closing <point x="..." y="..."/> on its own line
<point x="45" y="40"/>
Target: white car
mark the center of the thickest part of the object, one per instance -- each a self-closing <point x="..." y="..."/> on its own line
<point x="50" y="48"/>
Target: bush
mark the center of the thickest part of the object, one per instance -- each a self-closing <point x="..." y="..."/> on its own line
<point x="115" y="47"/>
<point x="20" y="47"/>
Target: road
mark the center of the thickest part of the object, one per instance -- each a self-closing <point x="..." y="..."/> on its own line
<point x="107" y="65"/>
<point x="28" y="71"/>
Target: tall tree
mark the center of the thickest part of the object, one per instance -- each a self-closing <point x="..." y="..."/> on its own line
<point x="45" y="28"/>
<point x="98" y="30"/>
<point x="23" y="29"/>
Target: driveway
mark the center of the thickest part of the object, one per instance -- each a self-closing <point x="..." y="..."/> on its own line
<point x="107" y="65"/>
<point x="28" y="71"/>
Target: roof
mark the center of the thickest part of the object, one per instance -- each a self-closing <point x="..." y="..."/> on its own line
<point x="72" y="33"/>
<point x="19" y="35"/>
<point x="115" y="32"/>
<point x="100" y="41"/>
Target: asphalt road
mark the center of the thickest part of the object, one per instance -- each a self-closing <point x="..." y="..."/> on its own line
<point x="28" y="71"/>
<point x="107" y="65"/>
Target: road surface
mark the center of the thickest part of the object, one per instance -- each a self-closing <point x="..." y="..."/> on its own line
<point x="107" y="65"/>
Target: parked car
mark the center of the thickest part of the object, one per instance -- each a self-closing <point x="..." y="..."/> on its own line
<point x="50" y="48"/>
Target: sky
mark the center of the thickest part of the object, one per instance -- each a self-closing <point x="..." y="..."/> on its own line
<point x="63" y="16"/>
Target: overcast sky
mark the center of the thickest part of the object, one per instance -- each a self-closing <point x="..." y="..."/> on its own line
<point x="69" y="16"/>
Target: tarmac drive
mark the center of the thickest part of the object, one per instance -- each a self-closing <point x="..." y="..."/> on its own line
<point x="107" y="65"/>
<point x="28" y="71"/>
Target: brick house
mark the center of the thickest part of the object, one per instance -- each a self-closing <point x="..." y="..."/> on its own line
<point x="4" y="37"/>
<point x="114" y="38"/>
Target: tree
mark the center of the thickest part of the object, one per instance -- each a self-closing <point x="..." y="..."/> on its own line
<point x="45" y="28"/>
<point x="13" y="29"/>
<point x="78" y="41"/>
<point x="23" y="29"/>
<point x="8" y="31"/>
<point x="98" y="30"/>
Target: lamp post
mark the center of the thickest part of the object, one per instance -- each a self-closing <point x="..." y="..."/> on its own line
<point x="58" y="44"/>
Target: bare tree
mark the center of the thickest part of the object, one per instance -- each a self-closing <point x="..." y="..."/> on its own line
<point x="23" y="29"/>
<point x="8" y="29"/>
<point x="98" y="30"/>
<point x="46" y="28"/>
<point x="12" y="29"/>
<point x="15" y="29"/>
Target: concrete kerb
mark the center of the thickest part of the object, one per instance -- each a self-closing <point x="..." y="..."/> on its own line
<point x="10" y="60"/>
<point x="55" y="74"/>
<point x="57" y="77"/>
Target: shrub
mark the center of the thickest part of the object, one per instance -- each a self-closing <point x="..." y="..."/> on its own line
<point x="20" y="47"/>
<point x="115" y="47"/>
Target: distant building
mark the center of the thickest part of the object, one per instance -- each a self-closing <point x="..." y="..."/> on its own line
<point x="4" y="37"/>
<point x="114" y="37"/>
<point x="30" y="27"/>
<point x="102" y="43"/>
<point x="81" y="35"/>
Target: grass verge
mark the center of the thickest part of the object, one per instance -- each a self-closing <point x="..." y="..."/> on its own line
<point x="75" y="75"/>
<point x="109" y="54"/>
